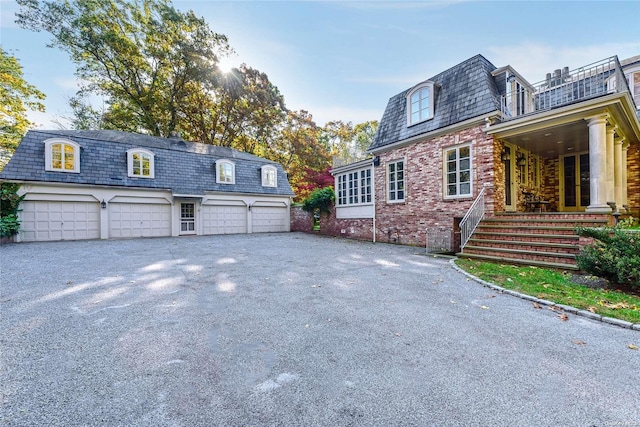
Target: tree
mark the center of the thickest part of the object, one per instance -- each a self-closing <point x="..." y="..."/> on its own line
<point x="143" y="55"/>
<point x="16" y="97"/>
<point x="349" y="143"/>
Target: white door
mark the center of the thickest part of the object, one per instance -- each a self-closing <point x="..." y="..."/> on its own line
<point x="44" y="220"/>
<point x="187" y="218"/>
<point x="224" y="219"/>
<point x="269" y="219"/>
<point x="139" y="220"/>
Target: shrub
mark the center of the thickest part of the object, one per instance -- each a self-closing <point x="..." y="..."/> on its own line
<point x="320" y="200"/>
<point x="9" y="208"/>
<point x="614" y="255"/>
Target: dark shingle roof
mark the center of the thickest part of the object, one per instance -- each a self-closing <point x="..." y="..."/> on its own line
<point x="180" y="166"/>
<point x="462" y="92"/>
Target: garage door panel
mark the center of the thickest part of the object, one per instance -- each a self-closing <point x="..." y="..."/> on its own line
<point x="269" y="219"/>
<point x="224" y="219"/>
<point x="56" y="220"/>
<point x="139" y="220"/>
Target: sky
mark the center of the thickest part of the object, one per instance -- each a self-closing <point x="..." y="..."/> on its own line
<point x="343" y="60"/>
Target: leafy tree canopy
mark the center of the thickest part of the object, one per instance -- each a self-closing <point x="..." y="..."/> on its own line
<point x="16" y="97"/>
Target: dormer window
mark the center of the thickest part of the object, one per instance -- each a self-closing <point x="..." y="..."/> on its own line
<point x="225" y="172"/>
<point x="269" y="176"/>
<point x="62" y="155"/>
<point x="140" y="163"/>
<point x="420" y="103"/>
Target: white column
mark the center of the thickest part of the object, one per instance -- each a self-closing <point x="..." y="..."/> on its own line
<point x="598" y="164"/>
<point x="619" y="167"/>
<point x="625" y="184"/>
<point x="610" y="164"/>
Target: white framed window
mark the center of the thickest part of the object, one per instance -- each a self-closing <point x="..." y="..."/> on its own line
<point x="225" y="172"/>
<point x="140" y="163"/>
<point x="420" y="103"/>
<point x="61" y="155"/>
<point x="522" y="161"/>
<point x="535" y="171"/>
<point x="396" y="181"/>
<point x="269" y="176"/>
<point x="458" y="171"/>
<point x="354" y="188"/>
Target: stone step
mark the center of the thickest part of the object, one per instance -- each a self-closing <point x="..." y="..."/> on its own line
<point x="518" y="244"/>
<point x="506" y="260"/>
<point x="523" y="254"/>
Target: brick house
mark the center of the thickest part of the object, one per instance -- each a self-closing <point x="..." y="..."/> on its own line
<point x="527" y="157"/>
<point x="90" y="184"/>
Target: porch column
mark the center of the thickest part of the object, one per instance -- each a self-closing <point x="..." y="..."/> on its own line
<point x="611" y="130"/>
<point x="619" y="167"/>
<point x="625" y="200"/>
<point x="598" y="164"/>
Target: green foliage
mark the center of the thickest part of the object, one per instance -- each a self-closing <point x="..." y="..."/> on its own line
<point x="16" y="97"/>
<point x="9" y="208"/>
<point x="320" y="200"/>
<point x="614" y="255"/>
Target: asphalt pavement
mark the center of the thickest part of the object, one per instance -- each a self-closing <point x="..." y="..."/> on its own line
<point x="291" y="330"/>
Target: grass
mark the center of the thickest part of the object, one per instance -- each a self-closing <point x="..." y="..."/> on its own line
<point x="556" y="286"/>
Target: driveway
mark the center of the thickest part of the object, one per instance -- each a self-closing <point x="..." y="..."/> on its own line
<point x="291" y="330"/>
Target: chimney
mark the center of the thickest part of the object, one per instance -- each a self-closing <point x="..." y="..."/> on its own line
<point x="175" y="135"/>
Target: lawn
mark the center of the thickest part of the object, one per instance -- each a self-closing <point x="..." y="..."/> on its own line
<point x="557" y="286"/>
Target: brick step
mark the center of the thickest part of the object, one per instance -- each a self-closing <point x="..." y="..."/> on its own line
<point x="544" y="222"/>
<point x="554" y="215"/>
<point x="522" y="244"/>
<point x="523" y="254"/>
<point x="506" y="260"/>
<point x="527" y="237"/>
<point x="527" y="229"/>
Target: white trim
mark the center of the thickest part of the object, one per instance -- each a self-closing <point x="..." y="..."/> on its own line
<point x="404" y="180"/>
<point x="445" y="171"/>
<point x="342" y="188"/>
<point x="263" y="172"/>
<point x="48" y="163"/>
<point x="429" y="85"/>
<point x="131" y="173"/>
<point x="219" y="163"/>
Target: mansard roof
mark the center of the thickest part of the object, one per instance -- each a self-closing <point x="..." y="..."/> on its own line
<point x="180" y="166"/>
<point x="462" y="92"/>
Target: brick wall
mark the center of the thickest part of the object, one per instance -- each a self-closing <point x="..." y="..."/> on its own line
<point x="359" y="229"/>
<point x="633" y="179"/>
<point x="424" y="205"/>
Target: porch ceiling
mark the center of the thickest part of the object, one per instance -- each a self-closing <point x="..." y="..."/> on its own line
<point x="565" y="130"/>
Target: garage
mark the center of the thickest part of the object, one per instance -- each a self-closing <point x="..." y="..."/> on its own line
<point x="224" y="219"/>
<point x="59" y="220"/>
<point x="269" y="219"/>
<point x="139" y="220"/>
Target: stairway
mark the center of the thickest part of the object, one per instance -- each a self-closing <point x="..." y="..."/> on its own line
<point x="540" y="239"/>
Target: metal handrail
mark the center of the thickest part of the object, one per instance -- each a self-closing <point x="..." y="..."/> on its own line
<point x="471" y="219"/>
<point x="596" y="79"/>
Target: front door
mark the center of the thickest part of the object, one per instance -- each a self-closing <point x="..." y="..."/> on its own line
<point x="187" y="218"/>
<point x="575" y="187"/>
<point x="510" y="199"/>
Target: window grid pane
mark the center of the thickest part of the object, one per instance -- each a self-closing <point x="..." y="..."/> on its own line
<point x="396" y="181"/>
<point x="458" y="171"/>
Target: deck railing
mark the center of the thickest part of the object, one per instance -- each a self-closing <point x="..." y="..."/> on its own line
<point x="471" y="219"/>
<point x="565" y="87"/>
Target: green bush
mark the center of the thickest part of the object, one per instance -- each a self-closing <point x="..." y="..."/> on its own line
<point x="320" y="200"/>
<point x="9" y="208"/>
<point x="614" y="255"/>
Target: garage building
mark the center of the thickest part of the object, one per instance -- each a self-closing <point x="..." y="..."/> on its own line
<point x="112" y="184"/>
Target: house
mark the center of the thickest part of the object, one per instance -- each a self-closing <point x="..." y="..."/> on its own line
<point x="85" y="184"/>
<point x="481" y="142"/>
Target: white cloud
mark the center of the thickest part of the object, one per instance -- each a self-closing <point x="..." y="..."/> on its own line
<point x="534" y="60"/>
<point x="68" y="83"/>
<point x="7" y="14"/>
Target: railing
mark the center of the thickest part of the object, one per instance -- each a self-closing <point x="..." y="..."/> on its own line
<point x="564" y="87"/>
<point x="472" y="218"/>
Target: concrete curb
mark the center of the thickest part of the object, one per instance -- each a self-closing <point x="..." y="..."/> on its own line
<point x="566" y="308"/>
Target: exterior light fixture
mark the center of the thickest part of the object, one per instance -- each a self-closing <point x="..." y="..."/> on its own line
<point x="521" y="160"/>
<point x="103" y="204"/>
<point x="504" y="156"/>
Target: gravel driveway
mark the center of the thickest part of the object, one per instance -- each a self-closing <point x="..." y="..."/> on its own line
<point x="290" y="330"/>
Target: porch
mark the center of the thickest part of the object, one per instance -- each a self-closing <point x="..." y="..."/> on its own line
<point x="569" y="144"/>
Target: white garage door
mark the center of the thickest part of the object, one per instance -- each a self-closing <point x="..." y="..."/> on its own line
<point x="269" y="219"/>
<point x="224" y="219"/>
<point x="139" y="220"/>
<point x="51" y="220"/>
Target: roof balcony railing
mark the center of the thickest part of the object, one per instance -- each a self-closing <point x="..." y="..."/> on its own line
<point x="564" y="87"/>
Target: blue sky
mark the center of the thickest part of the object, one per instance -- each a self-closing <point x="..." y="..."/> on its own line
<point x="344" y="60"/>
